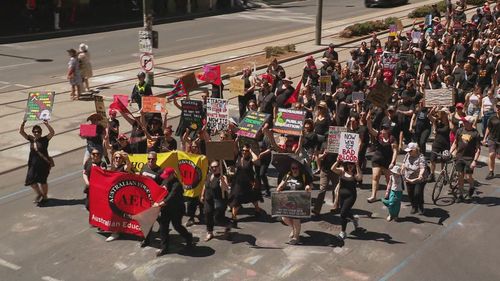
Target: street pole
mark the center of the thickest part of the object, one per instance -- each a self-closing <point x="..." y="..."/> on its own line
<point x="319" y="18"/>
<point x="148" y="26"/>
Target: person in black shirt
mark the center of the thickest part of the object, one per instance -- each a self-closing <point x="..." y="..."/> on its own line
<point x="95" y="160"/>
<point x="326" y="176"/>
<point x="151" y="169"/>
<point x="96" y="141"/>
<point x="283" y="94"/>
<point x="492" y="138"/>
<point x="166" y="142"/>
<point x="121" y="144"/>
<point x="441" y="141"/>
<point x="113" y="127"/>
<point x="420" y="126"/>
<point x="331" y="54"/>
<point x="248" y="94"/>
<point x="266" y="99"/>
<point x="485" y="73"/>
<point x="172" y="210"/>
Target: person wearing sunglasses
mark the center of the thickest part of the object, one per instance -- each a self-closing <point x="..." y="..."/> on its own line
<point x="151" y="169"/>
<point x="294" y="180"/>
<point x="492" y="138"/>
<point x="94" y="161"/>
<point x="214" y="198"/>
<point x="39" y="162"/>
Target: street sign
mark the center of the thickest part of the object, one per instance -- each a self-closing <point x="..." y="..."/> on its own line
<point x="145" y="41"/>
<point x="147" y="63"/>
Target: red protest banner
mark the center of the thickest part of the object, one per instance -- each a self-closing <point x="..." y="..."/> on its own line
<point x="116" y="197"/>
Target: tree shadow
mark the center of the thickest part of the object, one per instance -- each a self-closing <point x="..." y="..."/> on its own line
<point x="363" y="234"/>
<point x="319" y="238"/>
<point x="55" y="202"/>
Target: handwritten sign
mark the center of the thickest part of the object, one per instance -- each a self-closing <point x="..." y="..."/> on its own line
<point x="191" y="114"/>
<point x="237" y="86"/>
<point x="358" y="96"/>
<point x="217" y="115"/>
<point x="289" y="121"/>
<point x="252" y="123"/>
<point x="293" y="204"/>
<point x="39" y="106"/>
<point x="393" y="30"/>
<point x="325" y="84"/>
<point x="349" y="147"/>
<point x="100" y="109"/>
<point x="380" y="94"/>
<point x="438" y="97"/>
<point x="416" y="37"/>
<point x="153" y="104"/>
<point x="333" y="143"/>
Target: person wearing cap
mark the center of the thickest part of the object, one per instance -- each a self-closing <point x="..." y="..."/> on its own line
<point x="97" y="141"/>
<point x="141" y="89"/>
<point x="467" y="149"/>
<point x="172" y="211"/>
<point x="113" y="126"/>
<point x="415" y="177"/>
<point x="441" y="142"/>
<point x="492" y="139"/>
<point x="330" y="53"/>
<point x="73" y="75"/>
<point x="85" y="65"/>
<point x="394" y="193"/>
<point x="310" y="73"/>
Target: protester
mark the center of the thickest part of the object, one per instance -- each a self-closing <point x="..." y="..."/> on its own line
<point x="394" y="193"/>
<point x="414" y="171"/>
<point x="113" y="127"/>
<point x="97" y="141"/>
<point x="492" y="139"/>
<point x="85" y="65"/>
<point x="73" y="75"/>
<point x="172" y="210"/>
<point x="94" y="161"/>
<point x="248" y="93"/>
<point x="295" y="180"/>
<point x="39" y="162"/>
<point x="441" y="142"/>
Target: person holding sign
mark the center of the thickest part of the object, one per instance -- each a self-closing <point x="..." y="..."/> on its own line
<point x="249" y="91"/>
<point x="294" y="180"/>
<point x="39" y="162"/>
<point x="350" y="174"/>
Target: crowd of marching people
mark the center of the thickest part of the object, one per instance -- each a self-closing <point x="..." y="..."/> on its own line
<point x="455" y="53"/>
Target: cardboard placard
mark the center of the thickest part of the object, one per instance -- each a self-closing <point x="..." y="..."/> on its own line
<point x="39" y="106"/>
<point x="349" y="147"/>
<point x="100" y="109"/>
<point x="416" y="37"/>
<point x="88" y="130"/>
<point x="358" y="96"/>
<point x="333" y="143"/>
<point x="220" y="150"/>
<point x="217" y="115"/>
<point x="380" y="94"/>
<point x="325" y="84"/>
<point x="289" y="121"/>
<point x="251" y="124"/>
<point x="154" y="104"/>
<point x="190" y="82"/>
<point x="191" y="114"/>
<point x="393" y="30"/>
<point x="293" y="204"/>
<point x="399" y="25"/>
<point x="237" y="86"/>
<point x="438" y="97"/>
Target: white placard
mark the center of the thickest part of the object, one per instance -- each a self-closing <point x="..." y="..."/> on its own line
<point x="349" y="147"/>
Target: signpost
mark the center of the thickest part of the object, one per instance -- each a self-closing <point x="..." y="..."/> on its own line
<point x="147" y="63"/>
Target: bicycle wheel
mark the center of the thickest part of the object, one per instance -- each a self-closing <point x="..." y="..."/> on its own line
<point x="453" y="182"/>
<point x="438" y="186"/>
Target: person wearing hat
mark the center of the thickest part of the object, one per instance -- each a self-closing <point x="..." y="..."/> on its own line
<point x="415" y="176"/>
<point x="122" y="143"/>
<point x="330" y="53"/>
<point x="85" y="65"/>
<point x="394" y="193"/>
<point x="492" y="139"/>
<point x="284" y="93"/>
<point x="467" y="149"/>
<point x="97" y="141"/>
<point x="310" y="73"/>
<point x="74" y="76"/>
<point x="141" y="89"/>
<point x="172" y="211"/>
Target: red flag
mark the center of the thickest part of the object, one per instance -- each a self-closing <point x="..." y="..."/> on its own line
<point x="211" y="74"/>
<point x="116" y="197"/>
<point x="295" y="96"/>
<point x="118" y="105"/>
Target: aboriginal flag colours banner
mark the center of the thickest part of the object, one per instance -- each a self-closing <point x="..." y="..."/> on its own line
<point x="295" y="95"/>
<point x="178" y="91"/>
<point x="211" y="74"/>
<point x="115" y="197"/>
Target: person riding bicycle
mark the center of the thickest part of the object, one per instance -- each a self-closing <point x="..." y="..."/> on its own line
<point x="466" y="148"/>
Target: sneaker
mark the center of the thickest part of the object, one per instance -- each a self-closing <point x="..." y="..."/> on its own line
<point x="189" y="223"/>
<point x="371" y="200"/>
<point x="113" y="237"/>
<point x="389" y="218"/>
<point x="342" y="235"/>
<point x="490" y="176"/>
<point x="293" y="241"/>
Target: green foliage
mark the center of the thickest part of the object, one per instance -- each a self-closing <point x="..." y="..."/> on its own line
<point x="364" y="28"/>
<point x="274" y="51"/>
<point x="423" y="11"/>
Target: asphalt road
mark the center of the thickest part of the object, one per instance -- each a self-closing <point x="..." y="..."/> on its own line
<point x="44" y="62"/>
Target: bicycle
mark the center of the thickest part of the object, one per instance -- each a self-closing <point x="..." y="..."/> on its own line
<point x="445" y="178"/>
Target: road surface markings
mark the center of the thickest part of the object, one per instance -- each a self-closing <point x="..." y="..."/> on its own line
<point x="48" y="278"/>
<point x="194" y="37"/>
<point x="16" y="65"/>
<point x="22" y="85"/>
<point x="5" y="83"/>
<point x="271" y="14"/>
<point x="107" y="79"/>
<point x="9" y="265"/>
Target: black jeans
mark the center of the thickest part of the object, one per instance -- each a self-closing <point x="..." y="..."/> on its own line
<point x="215" y="215"/>
<point x="261" y="175"/>
<point x="192" y="204"/>
<point x="416" y="194"/>
<point x="347" y="198"/>
<point x="324" y="179"/>
<point x="421" y="136"/>
<point x="175" y="217"/>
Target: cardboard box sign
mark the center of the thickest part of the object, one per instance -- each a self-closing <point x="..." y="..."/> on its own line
<point x="220" y="150"/>
<point x="190" y="82"/>
<point x="237" y="86"/>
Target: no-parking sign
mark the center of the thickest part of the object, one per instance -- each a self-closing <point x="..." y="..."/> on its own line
<point x="147" y="63"/>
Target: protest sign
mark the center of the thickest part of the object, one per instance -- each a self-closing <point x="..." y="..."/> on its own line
<point x="393" y="30"/>
<point x="237" y="86"/>
<point x="289" y="121"/>
<point x="358" y="96"/>
<point x="88" y="130"/>
<point x="115" y="197"/>
<point x="389" y="60"/>
<point x="100" y="109"/>
<point x="292" y="204"/>
<point x="380" y="94"/>
<point x="217" y="115"/>
<point x="349" y="147"/>
<point x="220" y="150"/>
<point x="334" y="138"/>
<point x="399" y="25"/>
<point x="252" y="123"/>
<point x="39" y="106"/>
<point x="416" y="37"/>
<point x="438" y="97"/>
<point x="191" y="114"/>
<point x="325" y="84"/>
<point x="190" y="82"/>
<point x="153" y="104"/>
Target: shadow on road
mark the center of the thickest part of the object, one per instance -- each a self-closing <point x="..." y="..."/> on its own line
<point x="55" y="202"/>
<point x="363" y="234"/>
<point x="319" y="238"/>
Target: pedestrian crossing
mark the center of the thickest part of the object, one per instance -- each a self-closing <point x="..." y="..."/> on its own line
<point x="270" y="14"/>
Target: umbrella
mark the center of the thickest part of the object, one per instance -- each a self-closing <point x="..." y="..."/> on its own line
<point x="283" y="161"/>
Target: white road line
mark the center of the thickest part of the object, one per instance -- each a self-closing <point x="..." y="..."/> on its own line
<point x="16" y="65"/>
<point x="194" y="37"/>
<point x="3" y="87"/>
<point x="5" y="83"/>
<point x="22" y="85"/>
<point x="9" y="265"/>
<point x="48" y="278"/>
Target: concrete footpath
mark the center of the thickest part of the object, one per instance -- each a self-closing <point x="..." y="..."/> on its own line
<point x="68" y="115"/>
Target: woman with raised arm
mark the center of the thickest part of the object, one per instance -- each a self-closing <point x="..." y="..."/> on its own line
<point x="39" y="162"/>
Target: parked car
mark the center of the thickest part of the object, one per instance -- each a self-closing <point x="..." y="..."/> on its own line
<point x="372" y="3"/>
